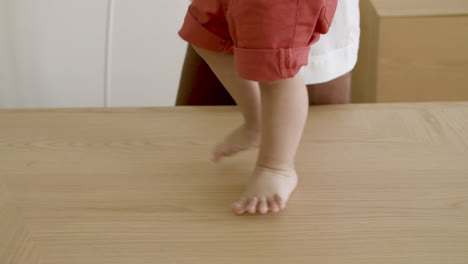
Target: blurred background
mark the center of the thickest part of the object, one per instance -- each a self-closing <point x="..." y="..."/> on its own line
<point x="112" y="53"/>
<point x="90" y="53"/>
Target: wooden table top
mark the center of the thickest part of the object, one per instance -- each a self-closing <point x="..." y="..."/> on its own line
<point x="412" y="8"/>
<point x="383" y="183"/>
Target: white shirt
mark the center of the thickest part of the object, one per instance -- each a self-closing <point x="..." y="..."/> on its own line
<point x="335" y="54"/>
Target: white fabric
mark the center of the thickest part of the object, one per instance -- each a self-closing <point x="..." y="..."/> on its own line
<point x="335" y="54"/>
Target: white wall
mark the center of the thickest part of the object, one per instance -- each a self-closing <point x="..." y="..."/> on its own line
<point x="147" y="53"/>
<point x="89" y="53"/>
<point x="6" y="77"/>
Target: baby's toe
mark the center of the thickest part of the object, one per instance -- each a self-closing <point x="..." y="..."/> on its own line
<point x="263" y="206"/>
<point x="280" y="201"/>
<point x="252" y="205"/>
<point x="239" y="207"/>
<point x="273" y="206"/>
<point x="218" y="153"/>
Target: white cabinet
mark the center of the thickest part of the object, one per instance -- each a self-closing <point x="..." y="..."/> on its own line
<point x="65" y="53"/>
<point x="56" y="50"/>
<point x="147" y="53"/>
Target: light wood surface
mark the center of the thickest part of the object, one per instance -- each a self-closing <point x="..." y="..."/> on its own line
<point x="384" y="184"/>
<point x="364" y="80"/>
<point x="421" y="7"/>
<point x="16" y="245"/>
<point x="410" y="57"/>
<point x="422" y="67"/>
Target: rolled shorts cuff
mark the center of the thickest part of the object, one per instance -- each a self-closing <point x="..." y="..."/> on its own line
<point x="194" y="33"/>
<point x="267" y="65"/>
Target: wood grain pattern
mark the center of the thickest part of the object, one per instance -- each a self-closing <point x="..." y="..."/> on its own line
<point x="412" y="57"/>
<point x="16" y="245"/>
<point x="379" y="184"/>
<point x="421" y="7"/>
<point x="429" y="63"/>
<point x="364" y="80"/>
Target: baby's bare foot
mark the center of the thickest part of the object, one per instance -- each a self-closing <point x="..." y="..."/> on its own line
<point x="238" y="140"/>
<point x="267" y="190"/>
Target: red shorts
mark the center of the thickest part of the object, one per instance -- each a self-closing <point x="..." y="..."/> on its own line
<point x="270" y="39"/>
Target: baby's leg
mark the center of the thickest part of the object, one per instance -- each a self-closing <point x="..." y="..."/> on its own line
<point x="247" y="96"/>
<point x="284" y="112"/>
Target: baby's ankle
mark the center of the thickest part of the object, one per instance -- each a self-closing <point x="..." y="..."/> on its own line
<point x="276" y="166"/>
<point x="252" y="133"/>
<point x="251" y="129"/>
